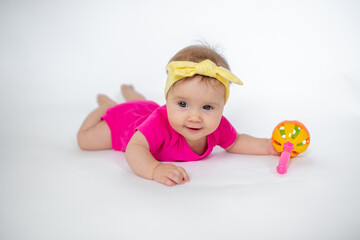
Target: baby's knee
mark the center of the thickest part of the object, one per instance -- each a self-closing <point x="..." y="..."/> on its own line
<point x="81" y="140"/>
<point x="96" y="138"/>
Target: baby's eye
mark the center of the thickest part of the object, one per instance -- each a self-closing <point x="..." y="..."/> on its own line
<point x="208" y="107"/>
<point x="182" y="104"/>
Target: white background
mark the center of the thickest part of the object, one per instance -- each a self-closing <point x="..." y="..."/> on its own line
<point x="298" y="60"/>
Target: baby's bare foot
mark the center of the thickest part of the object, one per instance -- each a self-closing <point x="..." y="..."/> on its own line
<point x="130" y="94"/>
<point x="104" y="100"/>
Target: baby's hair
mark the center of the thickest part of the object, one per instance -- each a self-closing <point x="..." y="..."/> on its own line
<point x="199" y="53"/>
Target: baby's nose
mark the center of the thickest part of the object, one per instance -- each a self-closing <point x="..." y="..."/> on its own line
<point x="194" y="117"/>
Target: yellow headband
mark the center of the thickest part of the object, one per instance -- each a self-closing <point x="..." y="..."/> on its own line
<point x="178" y="70"/>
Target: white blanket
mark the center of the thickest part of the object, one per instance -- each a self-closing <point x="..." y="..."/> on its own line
<point x="298" y="61"/>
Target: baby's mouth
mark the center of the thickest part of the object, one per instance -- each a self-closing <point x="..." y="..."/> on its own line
<point x="193" y="129"/>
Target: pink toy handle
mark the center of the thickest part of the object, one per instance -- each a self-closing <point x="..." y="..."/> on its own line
<point x="284" y="158"/>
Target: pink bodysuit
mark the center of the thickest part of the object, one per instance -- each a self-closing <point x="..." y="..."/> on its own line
<point x="165" y="143"/>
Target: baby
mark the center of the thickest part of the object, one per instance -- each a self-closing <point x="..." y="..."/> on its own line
<point x="187" y="128"/>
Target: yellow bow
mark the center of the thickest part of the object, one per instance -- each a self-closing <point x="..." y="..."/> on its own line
<point x="181" y="69"/>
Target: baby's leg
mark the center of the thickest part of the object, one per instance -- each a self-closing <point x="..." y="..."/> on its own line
<point x="95" y="134"/>
<point x="130" y="94"/>
<point x="104" y="100"/>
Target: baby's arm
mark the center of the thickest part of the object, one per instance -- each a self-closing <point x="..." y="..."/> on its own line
<point x="246" y="144"/>
<point x="145" y="165"/>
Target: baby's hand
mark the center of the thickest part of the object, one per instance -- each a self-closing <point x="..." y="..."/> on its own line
<point x="271" y="148"/>
<point x="170" y="174"/>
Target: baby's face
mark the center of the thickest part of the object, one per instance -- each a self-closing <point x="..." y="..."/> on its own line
<point x="195" y="108"/>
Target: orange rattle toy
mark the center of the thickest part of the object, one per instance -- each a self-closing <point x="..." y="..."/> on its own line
<point x="289" y="138"/>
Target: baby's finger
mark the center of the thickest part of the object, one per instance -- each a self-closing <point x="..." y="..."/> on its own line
<point x="176" y="176"/>
<point x="184" y="173"/>
<point x="167" y="181"/>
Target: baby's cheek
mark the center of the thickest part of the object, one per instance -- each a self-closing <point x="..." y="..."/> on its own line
<point x="214" y="124"/>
